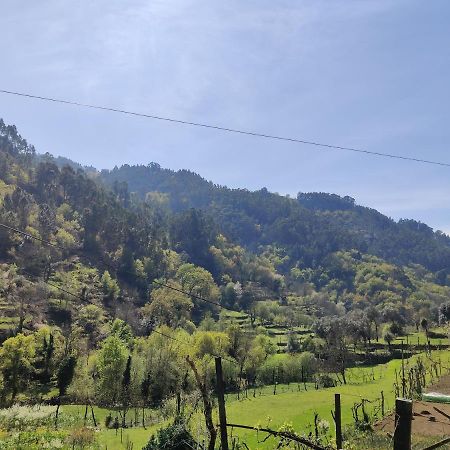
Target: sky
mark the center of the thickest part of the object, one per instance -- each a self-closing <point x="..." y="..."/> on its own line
<point x="371" y="74"/>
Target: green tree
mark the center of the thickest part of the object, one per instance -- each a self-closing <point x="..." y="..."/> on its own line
<point x="82" y="387"/>
<point x="199" y="283"/>
<point x="16" y="362"/>
<point x="293" y="344"/>
<point x="110" y="288"/>
<point x="167" y="307"/>
<point x="425" y="326"/>
<point x="123" y="331"/>
<point x="126" y="390"/>
<point x="65" y="373"/>
<point x="90" y="318"/>
<point x="175" y="436"/>
<point x="387" y="335"/>
<point x="45" y="349"/>
<point x="111" y="362"/>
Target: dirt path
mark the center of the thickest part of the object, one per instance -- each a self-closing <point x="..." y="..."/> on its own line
<point x="427" y="421"/>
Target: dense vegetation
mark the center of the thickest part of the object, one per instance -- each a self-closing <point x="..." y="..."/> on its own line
<point x="115" y="285"/>
<point x="305" y="229"/>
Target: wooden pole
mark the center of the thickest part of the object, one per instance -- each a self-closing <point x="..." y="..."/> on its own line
<point x="337" y="420"/>
<point x="221" y="400"/>
<point x="403" y="375"/>
<point x="403" y="420"/>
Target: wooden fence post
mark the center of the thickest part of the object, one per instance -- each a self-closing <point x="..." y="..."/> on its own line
<point x="403" y="375"/>
<point x="221" y="401"/>
<point x="403" y="420"/>
<point x="337" y="420"/>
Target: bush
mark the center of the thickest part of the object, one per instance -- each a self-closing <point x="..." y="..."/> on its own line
<point x="396" y="329"/>
<point x="287" y="370"/>
<point x="436" y="335"/>
<point x="293" y="344"/>
<point x="325" y="381"/>
<point x="175" y="437"/>
<point x="108" y="420"/>
<point x="270" y="367"/>
<point x="23" y="418"/>
<point x="81" y="437"/>
<point x="34" y="440"/>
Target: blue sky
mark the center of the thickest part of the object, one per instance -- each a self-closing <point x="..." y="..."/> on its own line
<point x="359" y="73"/>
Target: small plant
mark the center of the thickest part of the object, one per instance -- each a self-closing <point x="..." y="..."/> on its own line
<point x="108" y="420"/>
<point x="26" y="418"/>
<point x="34" y="440"/>
<point x="81" y="438"/>
<point x="355" y="439"/>
<point x="325" y="381"/>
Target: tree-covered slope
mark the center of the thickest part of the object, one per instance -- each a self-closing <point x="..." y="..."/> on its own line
<point x="119" y="238"/>
<point x="308" y="228"/>
<point x="119" y="297"/>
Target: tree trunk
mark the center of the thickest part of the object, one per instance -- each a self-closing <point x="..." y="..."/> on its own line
<point x="57" y="413"/>
<point x="207" y="406"/>
<point x="93" y="416"/>
<point x="343" y="374"/>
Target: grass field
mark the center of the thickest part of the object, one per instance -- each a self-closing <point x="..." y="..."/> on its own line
<point x="291" y="405"/>
<point x="298" y="408"/>
<point x="419" y="337"/>
<point x="111" y="439"/>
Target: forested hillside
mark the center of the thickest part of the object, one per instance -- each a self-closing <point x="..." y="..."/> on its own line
<point x="116" y="232"/>
<point x="104" y="274"/>
<point x="307" y="228"/>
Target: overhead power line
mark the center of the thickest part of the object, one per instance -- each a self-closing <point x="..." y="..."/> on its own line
<point x="226" y="129"/>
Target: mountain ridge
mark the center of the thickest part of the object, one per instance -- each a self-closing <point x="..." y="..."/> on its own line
<point x="187" y="189"/>
<point x="301" y="259"/>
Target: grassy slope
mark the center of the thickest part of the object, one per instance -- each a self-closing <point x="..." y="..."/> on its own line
<point x="289" y="406"/>
<point x="419" y="337"/>
<point x="108" y="438"/>
<point x="298" y="408"/>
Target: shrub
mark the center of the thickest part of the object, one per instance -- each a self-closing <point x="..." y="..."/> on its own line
<point x="34" y="440"/>
<point x="436" y="335"/>
<point x="22" y="418"/>
<point x="325" y="381"/>
<point x="29" y="418"/>
<point x="175" y="437"/>
<point x="81" y="437"/>
<point x="108" y="421"/>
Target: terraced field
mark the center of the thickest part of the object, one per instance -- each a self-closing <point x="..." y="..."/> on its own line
<point x="8" y="319"/>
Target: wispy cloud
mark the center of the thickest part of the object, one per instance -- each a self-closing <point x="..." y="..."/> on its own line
<point x="350" y="72"/>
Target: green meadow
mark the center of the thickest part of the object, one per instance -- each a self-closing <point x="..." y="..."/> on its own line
<point x="297" y="408"/>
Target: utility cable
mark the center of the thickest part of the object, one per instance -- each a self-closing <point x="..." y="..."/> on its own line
<point x="226" y="129"/>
